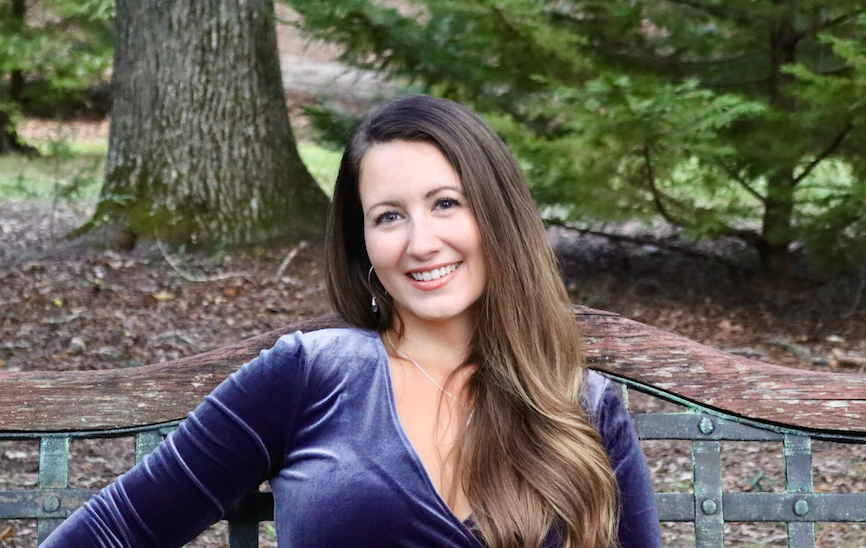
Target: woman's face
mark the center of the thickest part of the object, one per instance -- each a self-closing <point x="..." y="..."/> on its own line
<point x="421" y="235"/>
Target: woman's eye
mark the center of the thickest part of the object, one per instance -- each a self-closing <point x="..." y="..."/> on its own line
<point x="447" y="203"/>
<point x="387" y="217"/>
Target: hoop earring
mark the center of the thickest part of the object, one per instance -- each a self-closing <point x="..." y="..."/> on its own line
<point x="374" y="306"/>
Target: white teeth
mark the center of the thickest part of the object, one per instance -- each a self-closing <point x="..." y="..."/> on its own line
<point x="435" y="273"/>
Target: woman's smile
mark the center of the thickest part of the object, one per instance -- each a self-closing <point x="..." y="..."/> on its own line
<point x="425" y="278"/>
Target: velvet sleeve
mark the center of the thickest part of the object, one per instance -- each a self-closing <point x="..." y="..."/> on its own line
<point x="638" y="518"/>
<point x="232" y="442"/>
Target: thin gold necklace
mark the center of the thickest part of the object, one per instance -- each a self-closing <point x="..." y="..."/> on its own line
<point x="426" y="374"/>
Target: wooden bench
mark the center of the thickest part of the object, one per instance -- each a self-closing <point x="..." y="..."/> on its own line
<point x="726" y="397"/>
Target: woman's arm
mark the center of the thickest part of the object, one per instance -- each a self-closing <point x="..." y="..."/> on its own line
<point x="233" y="441"/>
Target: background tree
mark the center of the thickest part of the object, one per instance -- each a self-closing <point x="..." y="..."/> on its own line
<point x="51" y="51"/>
<point x="742" y="118"/>
<point x="200" y="146"/>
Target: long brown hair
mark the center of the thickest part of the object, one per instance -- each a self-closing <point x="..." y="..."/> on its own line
<point x="530" y="459"/>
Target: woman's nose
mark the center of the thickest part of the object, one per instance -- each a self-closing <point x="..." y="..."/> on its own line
<point x="423" y="239"/>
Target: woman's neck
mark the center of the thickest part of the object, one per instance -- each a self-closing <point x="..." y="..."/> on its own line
<point x="441" y="347"/>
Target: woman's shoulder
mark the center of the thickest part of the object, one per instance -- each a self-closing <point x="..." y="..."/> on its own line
<point x="325" y="352"/>
<point x="337" y="339"/>
<point x="327" y="341"/>
<point x="603" y="403"/>
<point x="598" y="391"/>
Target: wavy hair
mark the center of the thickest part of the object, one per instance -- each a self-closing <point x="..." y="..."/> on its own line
<point x="531" y="459"/>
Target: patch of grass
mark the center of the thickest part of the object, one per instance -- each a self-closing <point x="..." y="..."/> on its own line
<point x="71" y="174"/>
<point x="64" y="165"/>
<point x="322" y="164"/>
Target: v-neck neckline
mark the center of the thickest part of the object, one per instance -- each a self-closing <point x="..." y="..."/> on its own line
<point x="385" y="363"/>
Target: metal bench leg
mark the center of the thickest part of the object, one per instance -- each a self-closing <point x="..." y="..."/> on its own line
<point x="798" y="479"/>
<point x="243" y="534"/>
<point x="53" y="474"/>
<point x="709" y="514"/>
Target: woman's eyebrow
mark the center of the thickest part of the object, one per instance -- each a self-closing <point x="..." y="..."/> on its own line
<point x="441" y="188"/>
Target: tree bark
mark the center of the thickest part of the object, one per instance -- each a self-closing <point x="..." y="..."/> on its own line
<point x="200" y="146"/>
<point x="16" y="77"/>
<point x="9" y="139"/>
<point x="777" y="226"/>
<point x="777" y="229"/>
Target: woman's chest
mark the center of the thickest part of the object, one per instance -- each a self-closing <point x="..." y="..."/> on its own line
<point x="351" y="478"/>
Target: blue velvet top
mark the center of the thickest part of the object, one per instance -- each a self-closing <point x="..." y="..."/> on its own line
<point x="316" y="416"/>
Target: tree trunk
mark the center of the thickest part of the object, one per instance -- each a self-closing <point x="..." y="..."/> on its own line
<point x="9" y="140"/>
<point x="200" y="146"/>
<point x="776" y="230"/>
<point x="16" y="77"/>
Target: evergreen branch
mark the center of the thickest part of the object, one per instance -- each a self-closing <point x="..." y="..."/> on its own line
<point x="718" y="11"/>
<point x="720" y="84"/>
<point x="828" y="151"/>
<point x="845" y="67"/>
<point x="657" y="194"/>
<point x="835" y="21"/>
<point x="736" y="176"/>
<point x="667" y="62"/>
<point x="497" y="11"/>
<point x="719" y="60"/>
<point x="748" y="236"/>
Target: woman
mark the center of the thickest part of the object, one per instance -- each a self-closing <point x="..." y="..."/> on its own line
<point x="455" y="413"/>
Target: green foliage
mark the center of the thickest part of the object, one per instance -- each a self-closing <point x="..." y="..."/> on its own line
<point x="64" y="171"/>
<point x="60" y="47"/>
<point x="333" y="128"/>
<point x="739" y="117"/>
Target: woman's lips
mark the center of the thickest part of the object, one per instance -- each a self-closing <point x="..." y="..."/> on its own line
<point x="418" y="278"/>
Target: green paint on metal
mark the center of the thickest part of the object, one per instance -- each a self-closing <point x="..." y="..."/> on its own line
<point x="145" y="442"/>
<point x="706" y="426"/>
<point x="707" y="461"/>
<point x="53" y="473"/>
<point x="51" y="504"/>
<point x="801" y="507"/>
<point x="709" y="507"/>
<point x="54" y="462"/>
<point x="852" y="437"/>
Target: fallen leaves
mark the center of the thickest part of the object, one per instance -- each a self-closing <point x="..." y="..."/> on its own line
<point x="7" y="532"/>
<point x="162" y="296"/>
<point x="230" y="291"/>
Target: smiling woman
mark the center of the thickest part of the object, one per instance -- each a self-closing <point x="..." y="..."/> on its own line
<point x="455" y="412"/>
<point x="512" y="447"/>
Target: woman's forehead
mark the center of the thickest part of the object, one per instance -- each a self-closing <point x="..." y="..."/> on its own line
<point x="403" y="168"/>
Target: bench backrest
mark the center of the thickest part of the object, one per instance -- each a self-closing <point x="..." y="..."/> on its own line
<point x="726" y="397"/>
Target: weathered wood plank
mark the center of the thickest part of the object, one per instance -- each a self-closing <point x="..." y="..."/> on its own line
<point x="805" y="399"/>
<point x="159" y="393"/>
<point x="124" y="398"/>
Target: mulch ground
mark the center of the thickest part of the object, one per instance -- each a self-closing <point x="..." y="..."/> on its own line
<point x="108" y="310"/>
